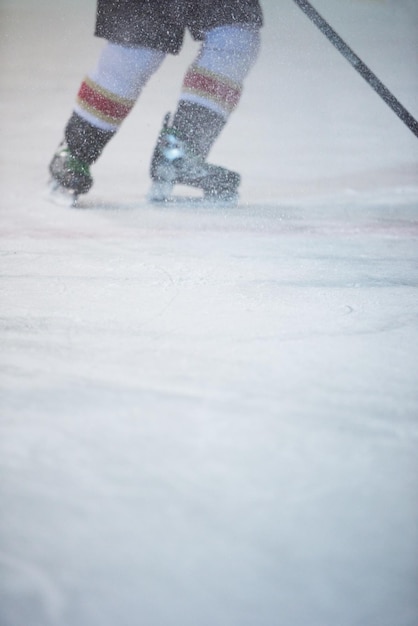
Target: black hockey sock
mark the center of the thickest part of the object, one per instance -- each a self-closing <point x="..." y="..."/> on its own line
<point x="198" y="125"/>
<point x="85" y="141"/>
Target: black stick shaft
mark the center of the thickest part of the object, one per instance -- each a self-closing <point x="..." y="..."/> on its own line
<point x="358" y="65"/>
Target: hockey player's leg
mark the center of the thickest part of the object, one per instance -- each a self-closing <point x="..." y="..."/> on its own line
<point x="104" y="100"/>
<point x="211" y="90"/>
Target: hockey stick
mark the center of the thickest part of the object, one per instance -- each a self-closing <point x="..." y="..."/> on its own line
<point x="358" y="65"/>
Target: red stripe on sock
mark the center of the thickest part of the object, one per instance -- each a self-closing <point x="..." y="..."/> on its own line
<point x="103" y="104"/>
<point x="212" y="88"/>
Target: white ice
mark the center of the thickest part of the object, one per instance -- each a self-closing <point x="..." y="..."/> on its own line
<point x="209" y="416"/>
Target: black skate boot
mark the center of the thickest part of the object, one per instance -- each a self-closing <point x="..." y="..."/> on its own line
<point x="70" y="177"/>
<point x="175" y="163"/>
<point x="70" y="165"/>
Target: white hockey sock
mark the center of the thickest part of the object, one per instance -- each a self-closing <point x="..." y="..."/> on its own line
<point x="109" y="92"/>
<point x="216" y="77"/>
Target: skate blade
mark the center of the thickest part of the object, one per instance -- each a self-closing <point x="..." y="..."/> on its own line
<point x="60" y="195"/>
<point x="229" y="200"/>
<point x="160" y="192"/>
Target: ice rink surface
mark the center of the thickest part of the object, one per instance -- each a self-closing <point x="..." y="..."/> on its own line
<point x="209" y="416"/>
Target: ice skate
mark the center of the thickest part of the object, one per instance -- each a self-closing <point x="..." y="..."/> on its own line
<point x="70" y="177"/>
<point x="175" y="163"/>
